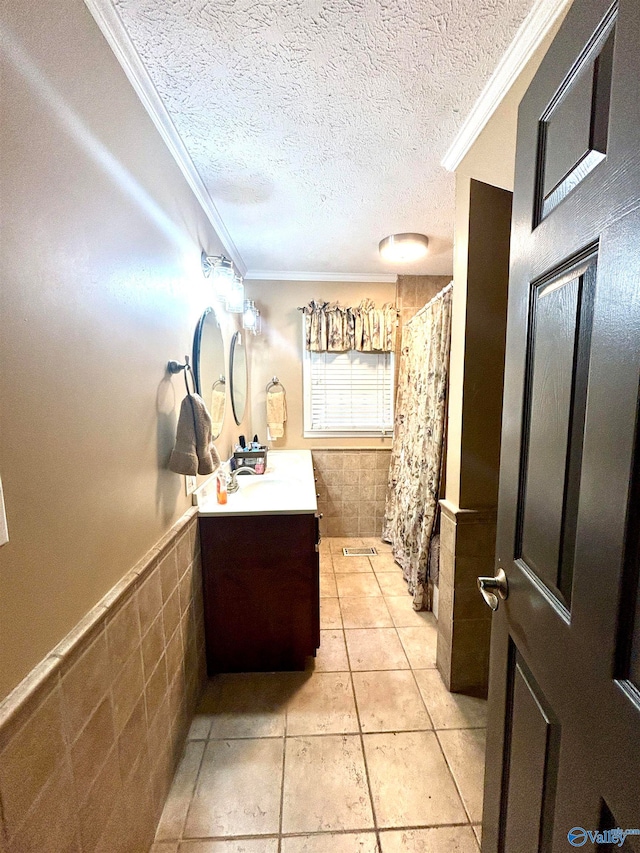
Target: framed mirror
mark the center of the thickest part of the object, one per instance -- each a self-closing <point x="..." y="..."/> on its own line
<point x="238" y="371"/>
<point x="208" y="368"/>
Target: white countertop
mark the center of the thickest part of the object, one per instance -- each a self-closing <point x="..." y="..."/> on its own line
<point x="286" y="488"/>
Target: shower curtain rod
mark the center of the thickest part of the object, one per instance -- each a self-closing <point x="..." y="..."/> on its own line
<point x="438" y="295"/>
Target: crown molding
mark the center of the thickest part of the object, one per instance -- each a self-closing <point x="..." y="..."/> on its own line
<point x="114" y="31"/>
<point x="365" y="278"/>
<point x="528" y="38"/>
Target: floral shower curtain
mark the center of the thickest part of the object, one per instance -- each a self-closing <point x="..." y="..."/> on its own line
<point x="331" y="328"/>
<point x="416" y="455"/>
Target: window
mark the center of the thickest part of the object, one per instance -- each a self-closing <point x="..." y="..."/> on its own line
<point x="347" y="393"/>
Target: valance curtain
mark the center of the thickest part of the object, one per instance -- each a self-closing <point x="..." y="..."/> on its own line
<point x="332" y="328"/>
<point x="416" y="454"/>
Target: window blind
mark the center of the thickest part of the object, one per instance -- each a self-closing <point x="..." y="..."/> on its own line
<point x="348" y="392"/>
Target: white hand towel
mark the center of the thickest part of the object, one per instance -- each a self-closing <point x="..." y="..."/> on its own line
<point x="218" y="401"/>
<point x="194" y="451"/>
<point x="276" y="413"/>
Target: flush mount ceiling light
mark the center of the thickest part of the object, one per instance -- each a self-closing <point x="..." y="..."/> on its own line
<point x="403" y="247"/>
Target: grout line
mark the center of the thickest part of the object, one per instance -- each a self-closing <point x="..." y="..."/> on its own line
<point x="360" y="734"/>
<point x="321" y="833"/>
<point x="193" y="793"/>
<point x="333" y="734"/>
<point x="284" y="758"/>
<point x="455" y="781"/>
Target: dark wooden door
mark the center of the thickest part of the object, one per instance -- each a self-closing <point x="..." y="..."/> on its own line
<point x="563" y="746"/>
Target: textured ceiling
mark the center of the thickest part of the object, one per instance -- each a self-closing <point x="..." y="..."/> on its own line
<point x="318" y="126"/>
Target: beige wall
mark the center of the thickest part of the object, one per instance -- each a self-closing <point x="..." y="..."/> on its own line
<point x="101" y="286"/>
<point x="491" y="159"/>
<point x="279" y="350"/>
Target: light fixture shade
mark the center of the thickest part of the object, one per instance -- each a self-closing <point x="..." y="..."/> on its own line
<point x="251" y="317"/>
<point x="403" y="248"/>
<point x="221" y="272"/>
<point x="235" y="296"/>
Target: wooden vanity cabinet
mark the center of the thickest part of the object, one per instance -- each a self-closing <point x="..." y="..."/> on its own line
<point x="261" y="591"/>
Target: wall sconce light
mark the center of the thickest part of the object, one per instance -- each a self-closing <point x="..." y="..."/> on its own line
<point x="234" y="301"/>
<point x="251" y="318"/>
<point x="227" y="283"/>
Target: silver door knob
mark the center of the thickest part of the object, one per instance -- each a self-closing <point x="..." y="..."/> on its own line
<point x="494" y="589"/>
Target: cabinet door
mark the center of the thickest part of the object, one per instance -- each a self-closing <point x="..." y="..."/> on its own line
<point x="261" y="592"/>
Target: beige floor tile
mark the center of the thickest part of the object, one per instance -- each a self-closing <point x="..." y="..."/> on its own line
<point x="326" y="563"/>
<point x="322" y="704"/>
<point x="332" y="654"/>
<point x="330" y="613"/>
<point x="238" y="790"/>
<point x="368" y="612"/>
<point x="328" y="586"/>
<point x="392" y="583"/>
<point x="477" y="829"/>
<point x="450" y="710"/>
<point x="200" y="727"/>
<point x="357" y="585"/>
<point x="247" y="704"/>
<point x="380" y="546"/>
<point x="164" y="847"/>
<point x="177" y="803"/>
<point x="389" y="701"/>
<point x="420" y="645"/>
<point x="441" y="839"/>
<point x="410" y="781"/>
<point x="331" y="842"/>
<point x="375" y="648"/>
<point x="403" y="614"/>
<point x="325" y="787"/>
<point x="464" y="751"/>
<point x="330" y="616"/>
<point x="351" y="565"/>
<point x="384" y="563"/>
<point x="246" y="845"/>
<point x="337" y="543"/>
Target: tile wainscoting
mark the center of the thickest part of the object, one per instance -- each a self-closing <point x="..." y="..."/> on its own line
<point x="351" y="486"/>
<point x="90" y="739"/>
<point x="467" y="550"/>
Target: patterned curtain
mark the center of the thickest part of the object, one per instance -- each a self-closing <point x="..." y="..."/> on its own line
<point x="331" y="328"/>
<point x="416" y="455"/>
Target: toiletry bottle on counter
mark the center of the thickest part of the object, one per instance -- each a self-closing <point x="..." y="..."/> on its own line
<point x="221" y="487"/>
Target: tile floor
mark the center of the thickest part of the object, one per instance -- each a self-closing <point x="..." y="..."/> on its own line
<point x="366" y="752"/>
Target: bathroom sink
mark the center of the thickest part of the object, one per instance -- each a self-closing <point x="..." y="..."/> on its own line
<point x="274" y="485"/>
<point x="286" y="488"/>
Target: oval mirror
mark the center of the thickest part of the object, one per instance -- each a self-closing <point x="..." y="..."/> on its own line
<point x="208" y="368"/>
<point x="238" y="370"/>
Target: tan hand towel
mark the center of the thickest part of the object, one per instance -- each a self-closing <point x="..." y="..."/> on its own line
<point x="218" y="401"/>
<point x="194" y="452"/>
<point x="276" y="413"/>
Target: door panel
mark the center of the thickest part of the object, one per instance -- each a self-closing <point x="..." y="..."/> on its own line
<point x="573" y="129"/>
<point x="560" y="319"/>
<point x="532" y="764"/>
<point x="563" y="746"/>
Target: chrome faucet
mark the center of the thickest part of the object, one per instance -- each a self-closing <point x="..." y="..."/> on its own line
<point x="232" y="481"/>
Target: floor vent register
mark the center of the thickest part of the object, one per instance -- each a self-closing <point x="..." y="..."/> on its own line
<point x="359" y="552"/>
